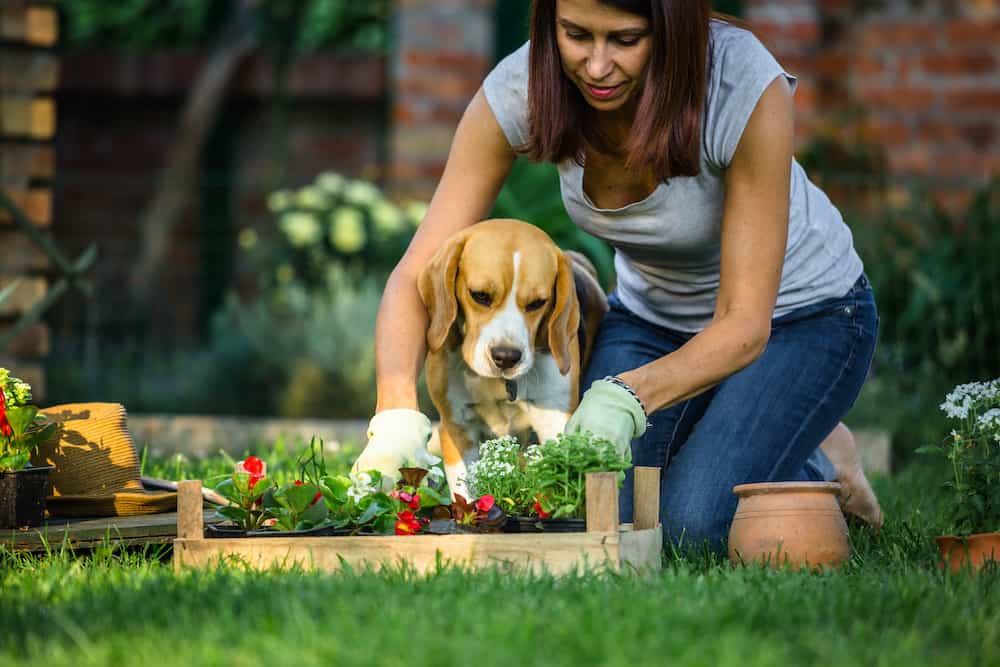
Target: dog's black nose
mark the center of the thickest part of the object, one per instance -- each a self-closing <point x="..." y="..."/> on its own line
<point x="505" y="356"/>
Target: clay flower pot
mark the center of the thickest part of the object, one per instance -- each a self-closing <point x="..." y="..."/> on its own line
<point x="973" y="551"/>
<point x="798" y="523"/>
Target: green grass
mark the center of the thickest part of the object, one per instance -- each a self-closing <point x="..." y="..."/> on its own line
<point x="889" y="605"/>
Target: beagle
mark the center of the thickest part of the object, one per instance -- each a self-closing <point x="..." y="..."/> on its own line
<point x="512" y="322"/>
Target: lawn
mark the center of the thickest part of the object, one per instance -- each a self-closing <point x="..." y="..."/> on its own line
<point x="889" y="605"/>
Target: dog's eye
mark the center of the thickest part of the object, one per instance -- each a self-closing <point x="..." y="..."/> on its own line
<point x="535" y="305"/>
<point x="482" y="298"/>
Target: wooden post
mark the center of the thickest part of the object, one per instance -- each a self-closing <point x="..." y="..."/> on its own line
<point x="602" y="502"/>
<point x="646" y="494"/>
<point x="190" y="522"/>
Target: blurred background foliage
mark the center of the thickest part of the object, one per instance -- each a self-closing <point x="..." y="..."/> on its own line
<point x="139" y="25"/>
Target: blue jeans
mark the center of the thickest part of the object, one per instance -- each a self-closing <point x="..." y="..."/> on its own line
<point x="764" y="423"/>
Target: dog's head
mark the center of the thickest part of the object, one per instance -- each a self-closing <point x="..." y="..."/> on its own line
<point x="506" y="288"/>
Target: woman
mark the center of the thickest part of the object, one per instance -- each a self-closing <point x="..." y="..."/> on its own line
<point x="741" y="327"/>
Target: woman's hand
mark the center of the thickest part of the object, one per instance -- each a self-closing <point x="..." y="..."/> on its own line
<point x="396" y="438"/>
<point x="610" y="411"/>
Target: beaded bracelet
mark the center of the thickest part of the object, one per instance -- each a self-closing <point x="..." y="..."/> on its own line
<point x="614" y="379"/>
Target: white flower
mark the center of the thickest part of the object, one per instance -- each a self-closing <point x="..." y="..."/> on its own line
<point x="301" y="229"/>
<point x="311" y="197"/>
<point x="279" y="200"/>
<point x="330" y="182"/>
<point x="355" y="493"/>
<point x="990" y="419"/>
<point x="347" y="230"/>
<point x="361" y="479"/>
<point x="361" y="193"/>
<point x="435" y="475"/>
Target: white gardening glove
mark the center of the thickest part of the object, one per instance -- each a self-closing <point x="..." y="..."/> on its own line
<point x="396" y="439"/>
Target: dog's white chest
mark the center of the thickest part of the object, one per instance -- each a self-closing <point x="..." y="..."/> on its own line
<point x="481" y="406"/>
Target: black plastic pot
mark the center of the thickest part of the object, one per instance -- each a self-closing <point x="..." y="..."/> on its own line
<point x="226" y="530"/>
<point x="22" y="497"/>
<point x="532" y="524"/>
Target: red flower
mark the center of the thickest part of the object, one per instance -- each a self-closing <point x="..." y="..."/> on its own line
<point x="407" y="524"/>
<point x="485" y="503"/>
<point x="298" y="482"/>
<point x="542" y="514"/>
<point x="414" y="503"/>
<point x="253" y="480"/>
<point x="319" y="494"/>
<point x="253" y="465"/>
<point x="5" y="428"/>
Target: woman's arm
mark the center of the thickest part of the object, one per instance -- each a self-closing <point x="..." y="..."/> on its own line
<point x="478" y="162"/>
<point x="754" y="236"/>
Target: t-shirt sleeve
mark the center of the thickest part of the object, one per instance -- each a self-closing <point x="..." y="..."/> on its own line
<point x="742" y="68"/>
<point x="506" y="91"/>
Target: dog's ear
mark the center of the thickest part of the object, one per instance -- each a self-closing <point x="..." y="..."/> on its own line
<point x="564" y="320"/>
<point x="437" y="290"/>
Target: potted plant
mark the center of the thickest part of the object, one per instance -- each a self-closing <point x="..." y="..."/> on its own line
<point x="973" y="452"/>
<point x="543" y="488"/>
<point x="22" y="488"/>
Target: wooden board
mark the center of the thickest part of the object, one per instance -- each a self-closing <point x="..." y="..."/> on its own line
<point x="28" y="292"/>
<point x="20" y="254"/>
<point x="558" y="553"/>
<point x="90" y="533"/>
<point x="35" y="204"/>
<point x="33" y="343"/>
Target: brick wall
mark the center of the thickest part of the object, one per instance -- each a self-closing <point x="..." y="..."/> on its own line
<point x="918" y="81"/>
<point x="443" y="50"/>
<point x="29" y="74"/>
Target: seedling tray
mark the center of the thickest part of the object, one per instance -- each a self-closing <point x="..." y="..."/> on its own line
<point x="605" y="545"/>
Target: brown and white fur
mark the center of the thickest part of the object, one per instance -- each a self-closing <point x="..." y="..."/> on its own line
<point x="512" y="321"/>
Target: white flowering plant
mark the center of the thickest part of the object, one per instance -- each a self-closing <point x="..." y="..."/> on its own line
<point x="335" y="221"/>
<point x="973" y="452"/>
<point x="547" y="481"/>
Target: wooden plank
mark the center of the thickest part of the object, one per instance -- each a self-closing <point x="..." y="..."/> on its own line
<point x="602" y="502"/>
<point x="28" y="292"/>
<point x="28" y="73"/>
<point x="33" y="343"/>
<point x="646" y="498"/>
<point x="20" y="163"/>
<point x="554" y="553"/>
<point x="38" y="26"/>
<point x="34" y="118"/>
<point x="19" y="254"/>
<point x="35" y="203"/>
<point x="89" y="533"/>
<point x="190" y="520"/>
<point x="642" y="550"/>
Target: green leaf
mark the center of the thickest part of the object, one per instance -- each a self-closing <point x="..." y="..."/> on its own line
<point x="227" y="489"/>
<point x="431" y="498"/>
<point x="385" y="524"/>
<point x="236" y="514"/>
<point x="21" y="418"/>
<point x="379" y="503"/>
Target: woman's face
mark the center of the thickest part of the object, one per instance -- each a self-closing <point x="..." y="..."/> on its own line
<point x="604" y="51"/>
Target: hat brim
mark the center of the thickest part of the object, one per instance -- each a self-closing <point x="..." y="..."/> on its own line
<point x="121" y="503"/>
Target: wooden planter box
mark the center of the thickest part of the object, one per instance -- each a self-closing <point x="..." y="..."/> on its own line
<point x="605" y="546"/>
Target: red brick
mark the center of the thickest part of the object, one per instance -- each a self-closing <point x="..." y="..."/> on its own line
<point x="970" y="32"/>
<point x="959" y="63"/>
<point x="898" y="98"/>
<point x="32" y="343"/>
<point x="900" y="33"/>
<point x="973" y="100"/>
<point x="888" y="132"/>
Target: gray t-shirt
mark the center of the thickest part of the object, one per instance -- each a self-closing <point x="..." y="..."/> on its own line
<point x="667" y="245"/>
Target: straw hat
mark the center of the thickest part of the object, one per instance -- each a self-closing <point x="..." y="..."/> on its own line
<point x="96" y="466"/>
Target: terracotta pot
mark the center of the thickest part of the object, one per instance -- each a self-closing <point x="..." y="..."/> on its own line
<point x="973" y="551"/>
<point x="798" y="523"/>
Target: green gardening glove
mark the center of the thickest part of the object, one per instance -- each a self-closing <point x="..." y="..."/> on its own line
<point x="609" y="411"/>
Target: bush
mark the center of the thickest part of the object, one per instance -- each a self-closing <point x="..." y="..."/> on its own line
<point x="935" y="284"/>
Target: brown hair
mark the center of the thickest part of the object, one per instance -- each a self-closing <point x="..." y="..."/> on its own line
<point x="666" y="133"/>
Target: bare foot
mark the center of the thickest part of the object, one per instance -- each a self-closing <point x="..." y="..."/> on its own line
<point x="856" y="494"/>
